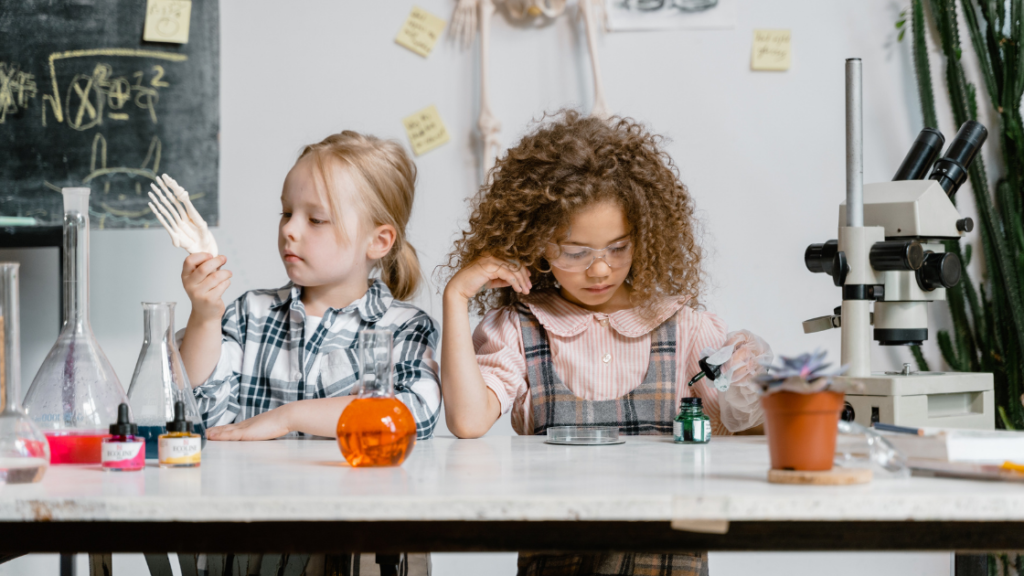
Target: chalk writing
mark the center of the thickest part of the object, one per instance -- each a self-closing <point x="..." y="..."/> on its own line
<point x="16" y="89"/>
<point x="88" y="94"/>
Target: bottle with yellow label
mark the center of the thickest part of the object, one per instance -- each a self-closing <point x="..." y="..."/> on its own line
<point x="179" y="447"/>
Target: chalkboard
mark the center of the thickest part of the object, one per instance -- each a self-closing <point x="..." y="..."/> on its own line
<point x="84" y="101"/>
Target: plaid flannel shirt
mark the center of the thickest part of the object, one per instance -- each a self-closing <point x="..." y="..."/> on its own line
<point x="265" y="360"/>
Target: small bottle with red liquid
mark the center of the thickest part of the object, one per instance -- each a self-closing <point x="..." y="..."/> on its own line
<point x="376" y="429"/>
<point x="123" y="450"/>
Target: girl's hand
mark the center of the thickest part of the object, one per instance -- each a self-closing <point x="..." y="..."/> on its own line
<point x="205" y="283"/>
<point x="266" y="426"/>
<point x="488" y="272"/>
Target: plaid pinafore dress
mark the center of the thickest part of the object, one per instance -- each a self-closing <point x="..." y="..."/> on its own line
<point x="647" y="409"/>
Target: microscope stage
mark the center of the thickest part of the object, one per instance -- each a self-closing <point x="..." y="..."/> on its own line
<point x="926" y="399"/>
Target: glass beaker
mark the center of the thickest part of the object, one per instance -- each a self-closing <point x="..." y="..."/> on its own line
<point x="75" y="395"/>
<point x="24" y="453"/>
<point x="376" y="429"/>
<point x="160" y="379"/>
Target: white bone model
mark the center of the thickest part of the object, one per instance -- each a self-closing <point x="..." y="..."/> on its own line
<point x="175" y="211"/>
<point x="472" y="14"/>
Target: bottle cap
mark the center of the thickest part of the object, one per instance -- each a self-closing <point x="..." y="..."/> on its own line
<point x="123" y="426"/>
<point x="691" y="401"/>
<point x="179" y="424"/>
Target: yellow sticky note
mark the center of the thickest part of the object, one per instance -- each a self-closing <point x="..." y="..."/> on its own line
<point x="167" y="21"/>
<point x="771" y="50"/>
<point x="426" y="130"/>
<point x="420" y="31"/>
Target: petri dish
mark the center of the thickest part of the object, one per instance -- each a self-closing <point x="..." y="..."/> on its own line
<point x="583" y="436"/>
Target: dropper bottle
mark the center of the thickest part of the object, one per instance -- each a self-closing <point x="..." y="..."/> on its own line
<point x="123" y="450"/>
<point x="179" y="447"/>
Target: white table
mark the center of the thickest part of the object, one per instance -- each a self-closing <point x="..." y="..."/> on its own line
<point x="496" y="493"/>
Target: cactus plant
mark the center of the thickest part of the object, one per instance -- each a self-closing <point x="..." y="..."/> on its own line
<point x="988" y="318"/>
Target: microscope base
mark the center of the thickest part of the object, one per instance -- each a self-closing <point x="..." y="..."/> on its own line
<point x="926" y="399"/>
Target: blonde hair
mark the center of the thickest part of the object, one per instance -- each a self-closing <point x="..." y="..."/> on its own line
<point x="385" y="180"/>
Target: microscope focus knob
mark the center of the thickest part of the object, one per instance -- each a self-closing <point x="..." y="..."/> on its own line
<point x="940" y="270"/>
<point x="818" y="257"/>
<point x="896" y="255"/>
<point x="965" y="225"/>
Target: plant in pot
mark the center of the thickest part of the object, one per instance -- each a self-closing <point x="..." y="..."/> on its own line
<point x="802" y="402"/>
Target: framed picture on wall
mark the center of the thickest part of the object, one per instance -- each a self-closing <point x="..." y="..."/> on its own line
<point x="638" y="15"/>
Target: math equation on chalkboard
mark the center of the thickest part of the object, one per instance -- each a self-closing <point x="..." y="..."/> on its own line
<point x="87" y="103"/>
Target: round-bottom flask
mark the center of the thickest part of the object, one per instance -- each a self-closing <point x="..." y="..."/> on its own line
<point x="376" y="429"/>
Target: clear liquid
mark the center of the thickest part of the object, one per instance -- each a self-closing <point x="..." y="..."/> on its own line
<point x="22" y="470"/>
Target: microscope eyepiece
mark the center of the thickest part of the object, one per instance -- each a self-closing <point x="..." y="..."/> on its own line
<point x="951" y="170"/>
<point x="921" y="156"/>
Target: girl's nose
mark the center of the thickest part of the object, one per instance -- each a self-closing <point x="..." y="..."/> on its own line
<point x="289" y="229"/>
<point x="599" y="269"/>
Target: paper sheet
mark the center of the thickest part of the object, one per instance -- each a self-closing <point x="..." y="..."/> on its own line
<point x="771" y="50"/>
<point x="425" y="129"/>
<point x="167" y="21"/>
<point x="420" y="31"/>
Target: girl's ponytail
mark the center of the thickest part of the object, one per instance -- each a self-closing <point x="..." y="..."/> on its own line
<point x="400" y="270"/>
<point x="386" y="180"/>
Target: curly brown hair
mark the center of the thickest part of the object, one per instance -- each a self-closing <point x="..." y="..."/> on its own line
<point x="565" y="165"/>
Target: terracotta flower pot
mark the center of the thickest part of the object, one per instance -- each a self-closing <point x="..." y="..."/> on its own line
<point x="801" y="429"/>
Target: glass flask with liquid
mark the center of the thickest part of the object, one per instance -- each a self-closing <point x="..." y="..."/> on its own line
<point x="376" y="429"/>
<point x="75" y="395"/>
<point x="160" y="379"/>
<point x="24" y="453"/>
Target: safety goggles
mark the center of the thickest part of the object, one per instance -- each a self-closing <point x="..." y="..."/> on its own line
<point x="573" y="258"/>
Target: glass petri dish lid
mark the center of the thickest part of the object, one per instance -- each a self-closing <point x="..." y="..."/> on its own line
<point x="583" y="435"/>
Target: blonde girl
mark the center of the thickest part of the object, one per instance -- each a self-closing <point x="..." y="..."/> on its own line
<point x="282" y="362"/>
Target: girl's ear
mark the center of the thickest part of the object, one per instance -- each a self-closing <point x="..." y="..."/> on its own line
<point x="381" y="240"/>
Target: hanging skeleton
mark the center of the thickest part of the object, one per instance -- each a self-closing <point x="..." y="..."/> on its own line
<point x="471" y="15"/>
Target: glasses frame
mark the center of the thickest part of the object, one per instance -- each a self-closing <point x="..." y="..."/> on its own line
<point x="596" y="253"/>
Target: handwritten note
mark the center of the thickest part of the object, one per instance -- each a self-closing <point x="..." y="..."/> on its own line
<point x="167" y="21"/>
<point x="420" y="31"/>
<point x="426" y="130"/>
<point x="771" y="50"/>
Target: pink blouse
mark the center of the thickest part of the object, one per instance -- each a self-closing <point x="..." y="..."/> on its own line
<point x="598" y="356"/>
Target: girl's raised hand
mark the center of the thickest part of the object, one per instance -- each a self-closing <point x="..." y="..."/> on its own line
<point x="205" y="283"/>
<point x="489" y="272"/>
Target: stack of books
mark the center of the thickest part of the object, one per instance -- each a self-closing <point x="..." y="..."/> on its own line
<point x="976" y="454"/>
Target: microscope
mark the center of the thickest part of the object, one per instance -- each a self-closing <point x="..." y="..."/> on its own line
<point x="890" y="253"/>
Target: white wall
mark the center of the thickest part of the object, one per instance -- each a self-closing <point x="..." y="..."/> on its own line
<point x="763" y="153"/>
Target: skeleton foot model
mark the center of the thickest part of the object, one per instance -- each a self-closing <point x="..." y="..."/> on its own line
<point x="173" y="208"/>
<point x="473" y="14"/>
<point x="589" y="13"/>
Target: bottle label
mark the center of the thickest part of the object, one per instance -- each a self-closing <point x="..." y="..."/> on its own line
<point x="677" y="431"/>
<point x="123" y="454"/>
<point x="180" y="450"/>
<point x="707" y="430"/>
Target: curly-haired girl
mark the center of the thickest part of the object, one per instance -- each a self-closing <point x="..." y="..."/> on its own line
<point x="582" y="252"/>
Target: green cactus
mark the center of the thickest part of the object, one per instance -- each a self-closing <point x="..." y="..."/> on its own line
<point x="988" y="317"/>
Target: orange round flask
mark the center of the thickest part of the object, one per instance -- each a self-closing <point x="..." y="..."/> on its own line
<point x="376" y="429"/>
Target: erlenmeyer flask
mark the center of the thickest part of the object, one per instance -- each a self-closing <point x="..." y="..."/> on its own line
<point x="24" y="453"/>
<point x="75" y="395"/>
<point x="160" y="379"/>
<point x="376" y="429"/>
